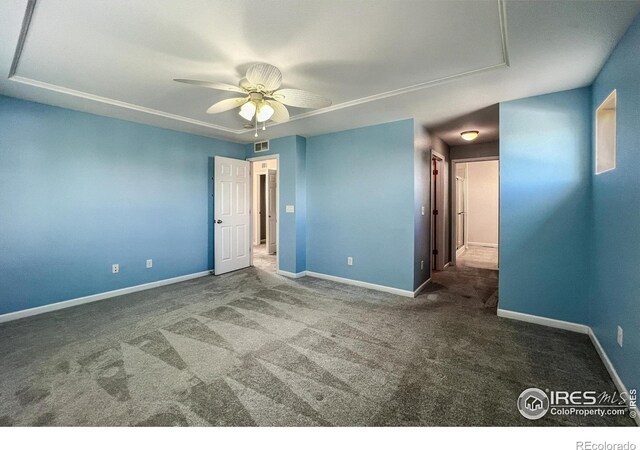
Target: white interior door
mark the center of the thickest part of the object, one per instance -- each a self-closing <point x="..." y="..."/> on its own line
<point x="232" y="218"/>
<point x="460" y="213"/>
<point x="272" y="210"/>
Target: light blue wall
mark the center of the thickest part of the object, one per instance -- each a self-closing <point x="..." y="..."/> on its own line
<point x="360" y="199"/>
<point x="545" y="164"/>
<point x="615" y="296"/>
<point x="291" y="151"/>
<point x="79" y="192"/>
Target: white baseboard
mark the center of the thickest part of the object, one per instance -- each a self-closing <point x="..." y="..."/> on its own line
<point x="421" y="287"/>
<point x="539" y="320"/>
<point x="482" y="244"/>
<point x="578" y="328"/>
<point x="375" y="287"/>
<point x="96" y="297"/>
<point x="612" y="371"/>
<point x="284" y="273"/>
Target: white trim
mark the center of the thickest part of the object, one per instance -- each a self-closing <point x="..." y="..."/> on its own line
<point x="284" y="273"/>
<point x="251" y="160"/>
<point x="482" y="244"/>
<point x="612" y="371"/>
<point x="539" y="320"/>
<point x="96" y="297"/>
<point x="441" y="218"/>
<point x="120" y="104"/>
<point x="421" y="287"/>
<point x="613" y="94"/>
<point x="478" y="159"/>
<point x="453" y="223"/>
<point x="392" y="93"/>
<point x="364" y="284"/>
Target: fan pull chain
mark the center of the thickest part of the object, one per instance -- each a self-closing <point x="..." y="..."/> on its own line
<point x="264" y="126"/>
<point x="256" y="135"/>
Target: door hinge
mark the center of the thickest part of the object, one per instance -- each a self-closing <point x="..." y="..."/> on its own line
<point x="435" y="172"/>
<point x="435" y="251"/>
<point x="435" y="212"/>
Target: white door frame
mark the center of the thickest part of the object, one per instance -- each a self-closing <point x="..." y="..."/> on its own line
<point x="454" y="206"/>
<point x="454" y="199"/>
<point x="441" y="193"/>
<point x="264" y="158"/>
<point x="269" y="207"/>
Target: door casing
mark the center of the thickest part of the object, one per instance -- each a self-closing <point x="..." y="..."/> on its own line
<point x="271" y="211"/>
<point x="439" y="201"/>
<point x="264" y="158"/>
<point x="454" y="199"/>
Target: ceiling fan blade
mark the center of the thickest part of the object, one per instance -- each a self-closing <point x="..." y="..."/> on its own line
<point x="280" y="112"/>
<point x="226" y="105"/>
<point x="244" y="84"/>
<point x="265" y="75"/>
<point x="211" y="84"/>
<point x="301" y="99"/>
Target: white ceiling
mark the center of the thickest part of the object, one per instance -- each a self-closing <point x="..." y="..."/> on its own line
<point x="377" y="60"/>
<point x="486" y="121"/>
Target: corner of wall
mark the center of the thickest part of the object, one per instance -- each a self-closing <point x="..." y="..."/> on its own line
<point x="301" y="204"/>
<point x="421" y="193"/>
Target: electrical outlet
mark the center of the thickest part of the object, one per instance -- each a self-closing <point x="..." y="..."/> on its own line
<point x="423" y="210"/>
<point x="149" y="263"/>
<point x="620" y="335"/>
<point x="115" y="268"/>
<point x="349" y="261"/>
<point x="421" y="265"/>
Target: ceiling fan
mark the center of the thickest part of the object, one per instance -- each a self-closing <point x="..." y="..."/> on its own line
<point x="261" y="100"/>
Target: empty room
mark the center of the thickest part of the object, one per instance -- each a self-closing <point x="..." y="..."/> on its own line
<point x="320" y="214"/>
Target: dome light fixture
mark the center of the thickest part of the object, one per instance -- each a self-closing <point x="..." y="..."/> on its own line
<point x="469" y="135"/>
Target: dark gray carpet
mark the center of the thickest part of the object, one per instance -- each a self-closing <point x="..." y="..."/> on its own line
<point x="253" y="348"/>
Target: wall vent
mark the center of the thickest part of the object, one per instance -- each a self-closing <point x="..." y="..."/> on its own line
<point x="261" y="146"/>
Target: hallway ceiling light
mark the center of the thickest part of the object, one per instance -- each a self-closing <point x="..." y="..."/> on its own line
<point x="469" y="135"/>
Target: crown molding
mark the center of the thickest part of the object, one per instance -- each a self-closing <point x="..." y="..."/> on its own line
<point x="113" y="102"/>
<point x="502" y="18"/>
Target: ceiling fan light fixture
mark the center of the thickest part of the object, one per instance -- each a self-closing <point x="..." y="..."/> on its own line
<point x="248" y="110"/>
<point x="265" y="111"/>
<point x="262" y="100"/>
<point x="469" y="135"/>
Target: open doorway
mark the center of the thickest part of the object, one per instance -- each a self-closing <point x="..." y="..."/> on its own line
<point x="264" y="224"/>
<point x="476" y="225"/>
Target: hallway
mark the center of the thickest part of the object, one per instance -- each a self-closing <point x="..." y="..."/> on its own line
<point x="479" y="257"/>
<point x="263" y="260"/>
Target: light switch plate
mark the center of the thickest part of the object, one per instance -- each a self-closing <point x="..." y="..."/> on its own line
<point x="290" y="208"/>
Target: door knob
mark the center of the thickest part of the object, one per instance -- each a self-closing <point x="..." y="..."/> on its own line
<point x="218" y="221"/>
